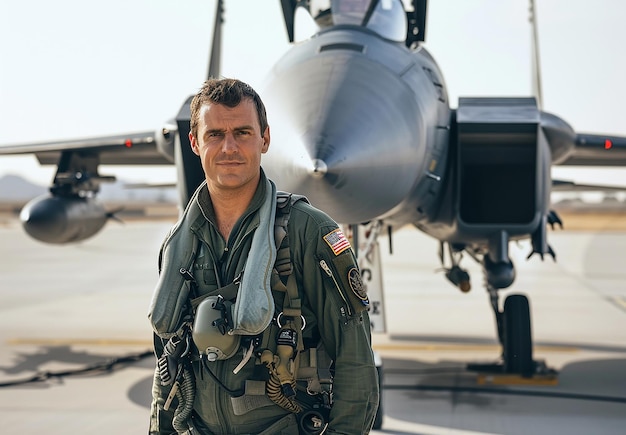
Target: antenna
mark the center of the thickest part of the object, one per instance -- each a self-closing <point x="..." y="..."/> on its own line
<point x="536" y="62"/>
<point x="216" y="47"/>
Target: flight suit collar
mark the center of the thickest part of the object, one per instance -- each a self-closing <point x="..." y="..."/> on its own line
<point x="206" y="205"/>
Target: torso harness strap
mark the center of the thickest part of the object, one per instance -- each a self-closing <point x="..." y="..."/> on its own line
<point x="283" y="352"/>
<point x="281" y="348"/>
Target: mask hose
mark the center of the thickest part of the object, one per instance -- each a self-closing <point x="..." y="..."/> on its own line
<point x="281" y="386"/>
<point x="185" y="395"/>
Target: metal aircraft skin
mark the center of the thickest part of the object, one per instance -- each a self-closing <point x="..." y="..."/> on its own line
<point x="362" y="125"/>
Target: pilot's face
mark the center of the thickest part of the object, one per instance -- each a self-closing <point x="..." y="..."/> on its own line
<point x="230" y="144"/>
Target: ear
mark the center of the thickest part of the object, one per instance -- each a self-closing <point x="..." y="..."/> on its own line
<point x="194" y="144"/>
<point x="266" y="140"/>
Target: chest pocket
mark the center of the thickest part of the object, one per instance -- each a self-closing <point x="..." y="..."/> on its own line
<point x="204" y="271"/>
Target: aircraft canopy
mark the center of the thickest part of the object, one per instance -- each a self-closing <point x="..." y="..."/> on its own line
<point x="387" y="17"/>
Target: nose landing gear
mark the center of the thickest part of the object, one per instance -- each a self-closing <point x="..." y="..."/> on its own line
<point x="514" y="332"/>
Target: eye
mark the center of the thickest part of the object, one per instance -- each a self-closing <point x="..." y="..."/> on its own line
<point x="213" y="135"/>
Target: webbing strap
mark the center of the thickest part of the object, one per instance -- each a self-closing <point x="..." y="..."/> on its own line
<point x="292" y="305"/>
<point x="293" y="308"/>
<point x="253" y="398"/>
<point x="314" y="369"/>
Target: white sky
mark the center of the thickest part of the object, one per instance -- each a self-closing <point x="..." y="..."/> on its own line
<point x="75" y="68"/>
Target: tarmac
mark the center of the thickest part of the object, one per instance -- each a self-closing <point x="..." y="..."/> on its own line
<point x="75" y="341"/>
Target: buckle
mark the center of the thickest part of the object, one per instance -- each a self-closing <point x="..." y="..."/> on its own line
<point x="279" y="323"/>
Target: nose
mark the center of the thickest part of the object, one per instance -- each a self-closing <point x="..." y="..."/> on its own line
<point x="230" y="145"/>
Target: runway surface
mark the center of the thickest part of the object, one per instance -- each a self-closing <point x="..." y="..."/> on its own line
<point x="68" y="308"/>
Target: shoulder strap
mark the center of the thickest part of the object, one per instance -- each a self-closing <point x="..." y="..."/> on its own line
<point x="285" y="281"/>
<point x="284" y="202"/>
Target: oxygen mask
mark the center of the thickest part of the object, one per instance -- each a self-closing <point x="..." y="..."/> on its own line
<point x="211" y="327"/>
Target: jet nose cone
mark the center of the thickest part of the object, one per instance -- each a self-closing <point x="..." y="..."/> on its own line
<point x="350" y="143"/>
<point x="319" y="168"/>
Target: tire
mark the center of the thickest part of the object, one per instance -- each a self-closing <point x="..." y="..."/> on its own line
<point x="517" y="345"/>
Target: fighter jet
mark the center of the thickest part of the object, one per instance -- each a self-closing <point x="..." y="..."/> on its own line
<point x="363" y="126"/>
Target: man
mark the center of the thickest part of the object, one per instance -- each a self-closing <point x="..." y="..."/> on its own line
<point x="249" y="339"/>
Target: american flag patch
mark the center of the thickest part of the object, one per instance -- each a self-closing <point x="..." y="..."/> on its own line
<point x="337" y="241"/>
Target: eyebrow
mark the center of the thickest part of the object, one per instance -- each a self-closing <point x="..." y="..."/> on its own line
<point x="221" y="130"/>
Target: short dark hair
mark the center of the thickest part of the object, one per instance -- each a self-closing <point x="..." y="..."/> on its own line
<point x="228" y="92"/>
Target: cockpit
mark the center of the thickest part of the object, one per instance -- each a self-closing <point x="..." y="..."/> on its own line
<point x="385" y="17"/>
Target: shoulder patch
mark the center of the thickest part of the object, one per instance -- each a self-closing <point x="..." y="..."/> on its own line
<point x="357" y="286"/>
<point x="337" y="241"/>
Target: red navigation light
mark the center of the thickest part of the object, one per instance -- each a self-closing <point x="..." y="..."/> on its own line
<point x="608" y="144"/>
<point x="128" y="143"/>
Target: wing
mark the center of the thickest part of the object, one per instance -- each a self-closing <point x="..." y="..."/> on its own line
<point x="129" y="149"/>
<point x="570" y="186"/>
<point x="70" y="212"/>
<point x="597" y="150"/>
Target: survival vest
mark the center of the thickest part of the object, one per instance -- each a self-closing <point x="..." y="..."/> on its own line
<point x="281" y="348"/>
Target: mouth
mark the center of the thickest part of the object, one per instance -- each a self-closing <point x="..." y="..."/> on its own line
<point x="229" y="163"/>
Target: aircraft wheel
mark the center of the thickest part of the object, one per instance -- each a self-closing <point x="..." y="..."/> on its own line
<point x="378" y="420"/>
<point x="517" y="346"/>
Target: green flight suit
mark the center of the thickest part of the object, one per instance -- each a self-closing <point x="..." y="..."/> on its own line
<point x="331" y="308"/>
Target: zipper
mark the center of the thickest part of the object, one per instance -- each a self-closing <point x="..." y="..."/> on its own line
<point x="216" y="269"/>
<point x="220" y="394"/>
<point x="233" y="249"/>
<point x="193" y="284"/>
<point x="330" y="274"/>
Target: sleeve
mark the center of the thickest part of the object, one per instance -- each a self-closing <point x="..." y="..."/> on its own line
<point x="160" y="420"/>
<point x="331" y="283"/>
